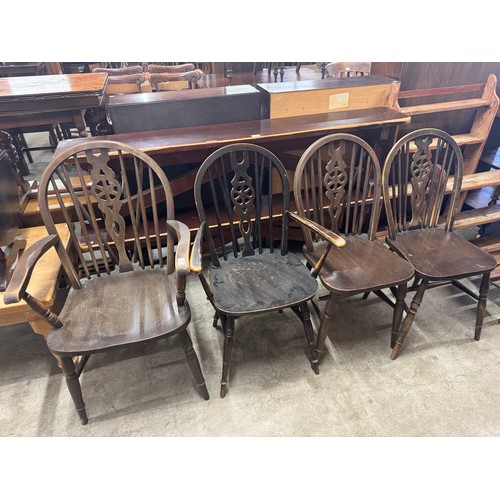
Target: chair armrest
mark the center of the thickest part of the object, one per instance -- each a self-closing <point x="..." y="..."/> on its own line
<point x="183" y="244"/>
<point x="328" y="235"/>
<point x="24" y="268"/>
<point x="195" y="262"/>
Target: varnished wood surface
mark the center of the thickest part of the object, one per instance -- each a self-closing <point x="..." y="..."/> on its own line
<point x="437" y="254"/>
<point x="327" y="83"/>
<point x="51" y="85"/>
<point x="45" y="99"/>
<point x="134" y="320"/>
<point x="179" y="95"/>
<point x="253" y="131"/>
<point x="361" y="265"/>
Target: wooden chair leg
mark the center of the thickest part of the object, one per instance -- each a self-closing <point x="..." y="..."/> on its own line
<point x="302" y="311"/>
<point x="324" y="328"/>
<point x="193" y="363"/>
<point x="398" y="312"/>
<point x="228" y="348"/>
<point x="405" y="328"/>
<point x="481" y="305"/>
<point x="68" y="368"/>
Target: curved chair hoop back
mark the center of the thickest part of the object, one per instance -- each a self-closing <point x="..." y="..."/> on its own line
<point x="415" y="178"/>
<point x="116" y="207"/>
<point x="246" y="189"/>
<point x="338" y="185"/>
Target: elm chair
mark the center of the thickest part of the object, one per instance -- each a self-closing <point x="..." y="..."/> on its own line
<point x="127" y="285"/>
<point x="242" y="197"/>
<point x="422" y="178"/>
<point x="348" y="69"/>
<point x="337" y="185"/>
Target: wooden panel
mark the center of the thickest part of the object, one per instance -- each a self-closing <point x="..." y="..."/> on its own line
<point x="422" y="75"/>
<point x="287" y="99"/>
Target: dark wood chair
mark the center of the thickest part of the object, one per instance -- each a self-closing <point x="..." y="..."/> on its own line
<point x="127" y="284"/>
<point x="337" y="186"/>
<point x="242" y="197"/>
<point x="420" y="219"/>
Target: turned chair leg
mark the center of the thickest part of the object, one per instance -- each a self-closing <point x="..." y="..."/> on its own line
<point x="398" y="312"/>
<point x="324" y="327"/>
<point x="481" y="305"/>
<point x="302" y="311"/>
<point x="193" y="363"/>
<point x="228" y="348"/>
<point x="405" y="328"/>
<point x="68" y="368"/>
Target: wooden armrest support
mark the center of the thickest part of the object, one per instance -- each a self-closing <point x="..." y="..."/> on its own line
<point x="195" y="261"/>
<point x="328" y="235"/>
<point x="24" y="268"/>
<point x="183" y="244"/>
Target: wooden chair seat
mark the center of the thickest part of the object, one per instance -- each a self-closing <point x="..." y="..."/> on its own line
<point x="346" y="270"/>
<point x="127" y="320"/>
<point x="438" y="255"/>
<point x="238" y="284"/>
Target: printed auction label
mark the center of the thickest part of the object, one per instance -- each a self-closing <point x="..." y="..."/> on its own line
<point x="339" y="101"/>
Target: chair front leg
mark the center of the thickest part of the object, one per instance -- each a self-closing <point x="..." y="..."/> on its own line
<point x="405" y="328"/>
<point x="302" y="311"/>
<point x="193" y="362"/>
<point x="481" y="305"/>
<point x="398" y="312"/>
<point x="324" y="328"/>
<point x="68" y="368"/>
<point x="228" y="348"/>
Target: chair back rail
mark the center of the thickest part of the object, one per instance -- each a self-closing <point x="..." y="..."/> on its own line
<point x="234" y="187"/>
<point x="415" y="177"/>
<point x="119" y="218"/>
<point x="338" y="185"/>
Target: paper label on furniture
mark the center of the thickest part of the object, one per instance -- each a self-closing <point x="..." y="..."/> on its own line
<point x="339" y="101"/>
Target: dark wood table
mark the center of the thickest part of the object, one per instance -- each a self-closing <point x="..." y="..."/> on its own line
<point x="47" y="99"/>
<point x="183" y="145"/>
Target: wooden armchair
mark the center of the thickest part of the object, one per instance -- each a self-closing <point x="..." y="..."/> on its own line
<point x="175" y="81"/>
<point x="249" y="274"/>
<point x="127" y="283"/>
<point x="176" y="68"/>
<point x="420" y="219"/>
<point x="348" y="69"/>
<point x="337" y="186"/>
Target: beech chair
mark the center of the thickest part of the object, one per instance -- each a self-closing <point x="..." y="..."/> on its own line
<point x="420" y="212"/>
<point x="242" y="197"/>
<point x="337" y="185"/>
<point x="127" y="283"/>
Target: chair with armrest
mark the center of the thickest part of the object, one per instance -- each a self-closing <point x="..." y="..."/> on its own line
<point x="348" y="69"/>
<point x="420" y="219"/>
<point x="242" y="197"/>
<point x="127" y="283"/>
<point x="174" y="68"/>
<point x="175" y="81"/>
<point x="337" y="186"/>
